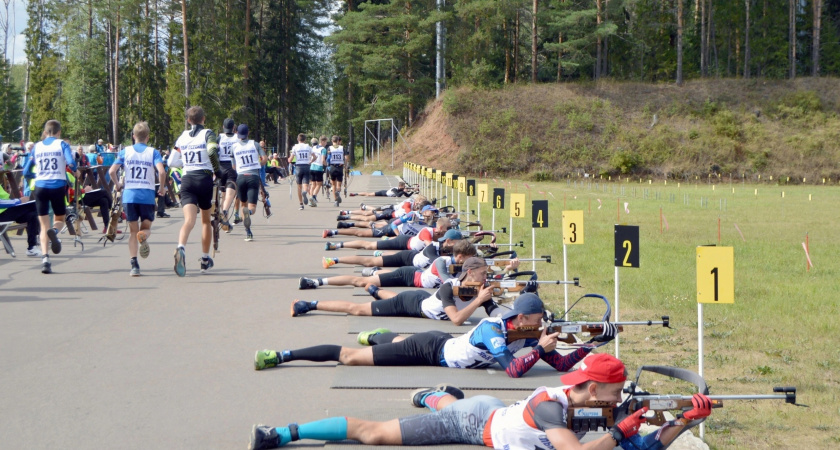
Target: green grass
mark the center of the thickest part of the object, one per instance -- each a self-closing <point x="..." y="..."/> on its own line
<point x="784" y="327"/>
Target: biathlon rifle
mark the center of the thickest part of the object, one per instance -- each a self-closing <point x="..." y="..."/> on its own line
<point x="116" y="212"/>
<point x="266" y="203"/>
<point x="470" y="289"/>
<point x="598" y="415"/>
<point x="80" y="215"/>
<point x="216" y="213"/>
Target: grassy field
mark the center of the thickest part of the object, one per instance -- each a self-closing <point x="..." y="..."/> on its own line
<point x="782" y="330"/>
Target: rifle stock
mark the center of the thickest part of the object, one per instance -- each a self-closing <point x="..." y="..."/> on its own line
<point x="567" y="330"/>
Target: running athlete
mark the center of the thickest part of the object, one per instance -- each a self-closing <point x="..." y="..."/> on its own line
<point x="316" y="171"/>
<point x="336" y="160"/>
<point x="408" y="276"/>
<point x="439" y="305"/>
<point x="199" y="153"/>
<point x="302" y="157"/>
<point x="539" y="421"/>
<point x="49" y="158"/>
<point x="248" y="157"/>
<point x="139" y="161"/>
<point x="399" y="191"/>
<point x="228" y="178"/>
<point x="483" y="346"/>
<point x="401" y="242"/>
<point x="420" y="259"/>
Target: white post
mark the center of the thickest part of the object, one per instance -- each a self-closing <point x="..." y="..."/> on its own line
<point x="700" y="352"/>
<point x="510" y="231"/>
<point x="493" y="225"/>
<point x="565" y="286"/>
<point x="458" y="193"/>
<point x="534" y="250"/>
<point x="616" y="310"/>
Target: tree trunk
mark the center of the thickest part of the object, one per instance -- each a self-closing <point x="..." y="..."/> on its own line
<point x="507" y="50"/>
<point x="516" y="47"/>
<point x="737" y="52"/>
<point x="679" y="42"/>
<point x="560" y="57"/>
<point x="534" y="42"/>
<point x="605" y="44"/>
<point x="747" y="40"/>
<point x="115" y="110"/>
<point x="186" y="52"/>
<point x="704" y="69"/>
<point x="597" y="72"/>
<point x="792" y="38"/>
<point x="247" y="52"/>
<point x="815" y="66"/>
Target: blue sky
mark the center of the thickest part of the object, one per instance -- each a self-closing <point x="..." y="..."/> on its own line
<point x="17" y="23"/>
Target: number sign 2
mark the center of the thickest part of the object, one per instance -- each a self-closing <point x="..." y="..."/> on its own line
<point x="626" y="246"/>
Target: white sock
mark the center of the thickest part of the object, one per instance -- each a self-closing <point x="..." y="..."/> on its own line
<point x="324" y="281"/>
<point x="205" y="256"/>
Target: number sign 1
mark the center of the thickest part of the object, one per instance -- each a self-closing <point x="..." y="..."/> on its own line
<point x="626" y="246"/>
<point x="518" y="208"/>
<point x="483" y="194"/>
<point x="715" y="275"/>
<point x="454" y="182"/>
<point x="573" y="227"/>
<point x="539" y="214"/>
<point x="498" y="198"/>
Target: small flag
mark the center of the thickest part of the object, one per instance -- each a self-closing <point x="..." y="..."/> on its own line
<point x="807" y="256"/>
<point x="739" y="232"/>
<point x="666" y="222"/>
<point x="599" y="203"/>
<point x="626" y="207"/>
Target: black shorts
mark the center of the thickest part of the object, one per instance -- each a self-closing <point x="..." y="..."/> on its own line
<point x="141" y="211"/>
<point x="197" y="189"/>
<point x="337" y="173"/>
<point x="97" y="197"/>
<point x="228" y="175"/>
<point x="404" y="304"/>
<point x="302" y="174"/>
<point x="385" y="214"/>
<point x="384" y="231"/>
<point x="316" y="176"/>
<point x="380" y="193"/>
<point x="397" y="243"/>
<point x="248" y="188"/>
<point x="44" y="197"/>
<point x="402" y="258"/>
<point x="421" y="349"/>
<point x="406" y="276"/>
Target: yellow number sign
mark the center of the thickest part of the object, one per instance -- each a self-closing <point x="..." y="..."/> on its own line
<point x="462" y="184"/>
<point x="573" y="227"/>
<point x="483" y="196"/>
<point x="715" y="275"/>
<point x="517" y="202"/>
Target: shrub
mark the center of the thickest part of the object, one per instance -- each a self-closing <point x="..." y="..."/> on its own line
<point x="625" y="161"/>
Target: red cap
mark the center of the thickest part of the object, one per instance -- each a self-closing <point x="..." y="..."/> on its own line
<point x="602" y="367"/>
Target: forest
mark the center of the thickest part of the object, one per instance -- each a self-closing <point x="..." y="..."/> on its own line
<point x="323" y="67"/>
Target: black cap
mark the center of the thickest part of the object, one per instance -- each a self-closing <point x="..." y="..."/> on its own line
<point x="227" y="126"/>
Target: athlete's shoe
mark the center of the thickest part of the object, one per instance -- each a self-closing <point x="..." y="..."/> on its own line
<point x="369" y="271"/>
<point x="377" y="253"/>
<point x="46" y="267"/>
<point x="301" y="207"/>
<point x="267" y="358"/>
<point x="55" y="242"/>
<point x="313" y="202"/>
<point x="249" y="236"/>
<point x="236" y="219"/>
<point x="362" y="206"/>
<point x="180" y="263"/>
<point x="264" y="437"/>
<point x="328" y="262"/>
<point x="144" y="246"/>
<point x="352" y="194"/>
<point x="305" y="198"/>
<point x="330" y="246"/>
<point x="327" y="233"/>
<point x="301" y="307"/>
<point x="336" y="203"/>
<point x="373" y="290"/>
<point x="346" y="224"/>
<point x="246" y="218"/>
<point x="307" y="283"/>
<point x="344" y="213"/>
<point x="419" y="395"/>
<point x="33" y="252"/>
<point x="135" y="269"/>
<point x="342" y="217"/>
<point x="206" y="264"/>
<point x="364" y="337"/>
<point x="226" y="226"/>
<point x="337" y="199"/>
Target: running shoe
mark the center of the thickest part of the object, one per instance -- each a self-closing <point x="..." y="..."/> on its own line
<point x="267" y="358"/>
<point x="236" y="219"/>
<point x="301" y="207"/>
<point x="337" y="199"/>
<point x="326" y="234"/>
<point x="206" y="264"/>
<point x="300" y="307"/>
<point x="363" y="207"/>
<point x="377" y="253"/>
<point x="226" y="226"/>
<point x="344" y="213"/>
<point x="330" y="246"/>
<point x="33" y="252"/>
<point x="144" y="246"/>
<point x="180" y="264"/>
<point x="364" y="337"/>
<point x="342" y="217"/>
<point x="313" y="202"/>
<point x="55" y="242"/>
<point x="336" y="203"/>
<point x="264" y="437"/>
<point x="246" y="218"/>
<point x="419" y="395"/>
<point x="307" y="283"/>
<point x="369" y="271"/>
<point x="46" y="267"/>
<point x="328" y="262"/>
<point x="345" y="224"/>
<point x="249" y="236"/>
<point x="352" y="194"/>
<point x="135" y="269"/>
<point x="373" y="290"/>
<point x="305" y="198"/>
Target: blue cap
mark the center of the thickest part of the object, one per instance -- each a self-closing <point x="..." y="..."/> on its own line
<point x="242" y="131"/>
<point x="525" y="304"/>
<point x="428" y="208"/>
<point x="451" y="234"/>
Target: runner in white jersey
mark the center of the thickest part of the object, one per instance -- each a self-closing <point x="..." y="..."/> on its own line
<point x="316" y="169"/>
<point x="335" y="159"/>
<point x="248" y="158"/>
<point x="139" y="162"/>
<point x="304" y="158"/>
<point x="538" y="422"/>
<point x="50" y="158"/>
<point x="228" y="178"/>
<point x="199" y="155"/>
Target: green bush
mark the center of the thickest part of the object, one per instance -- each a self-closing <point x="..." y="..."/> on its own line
<point x="625" y="161"/>
<point x="727" y="124"/>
